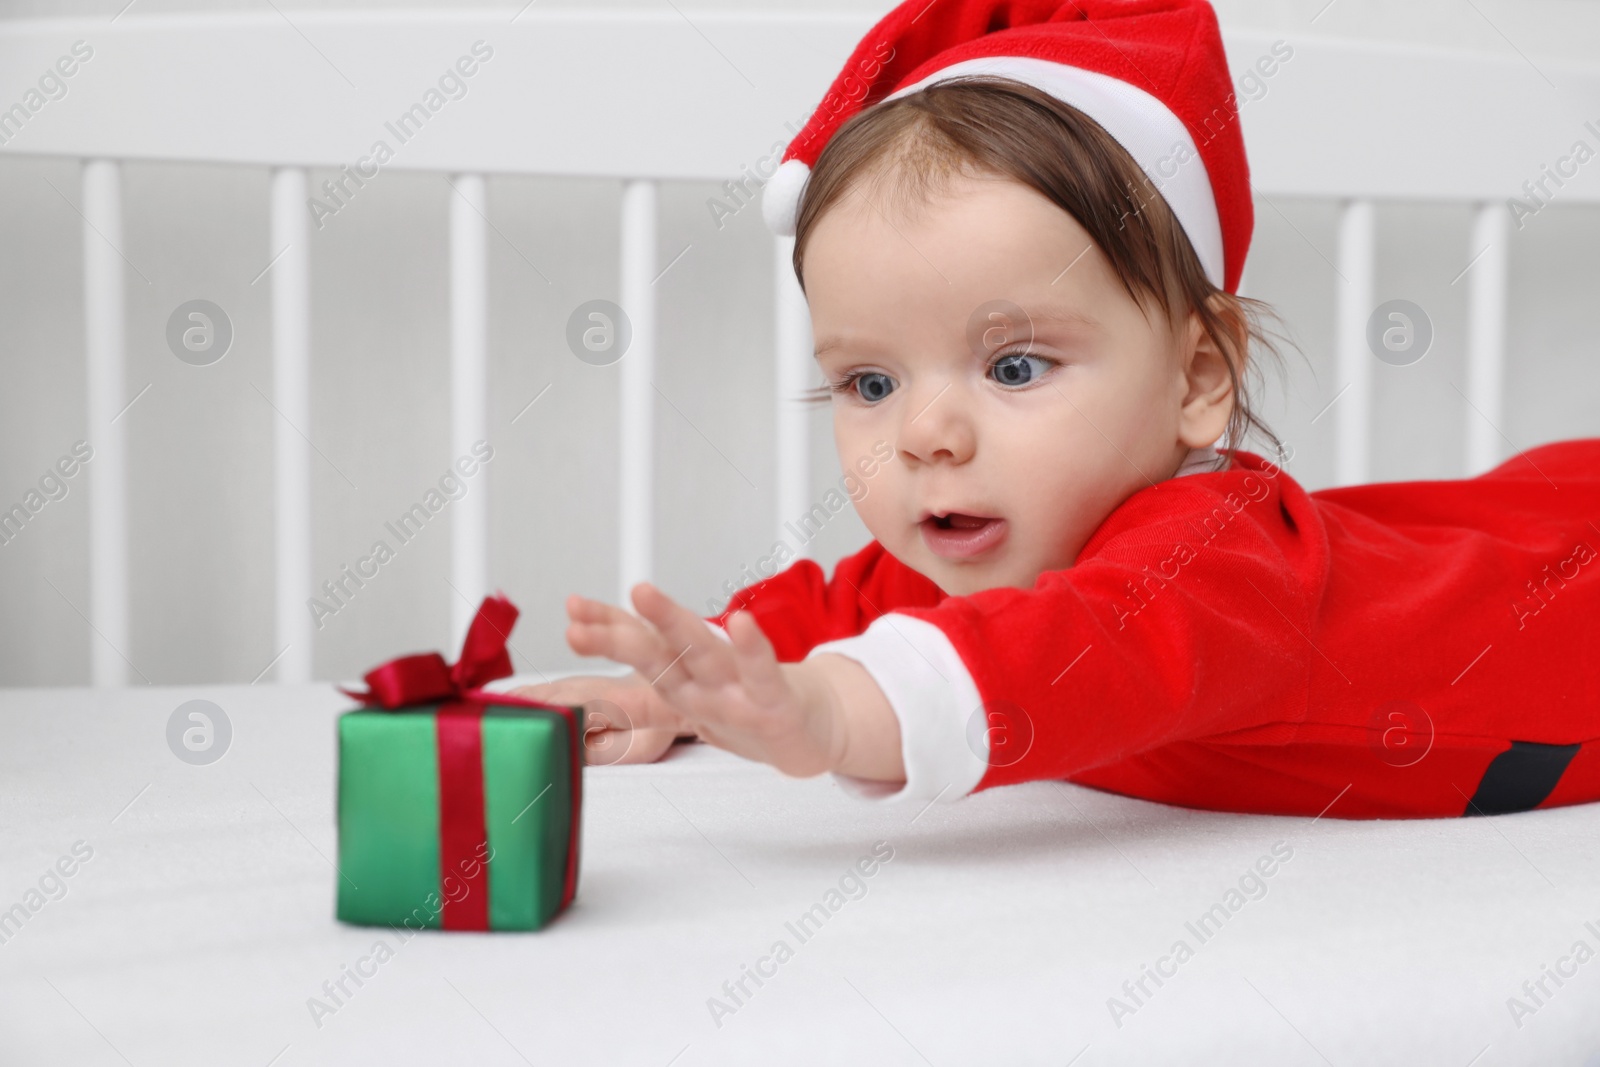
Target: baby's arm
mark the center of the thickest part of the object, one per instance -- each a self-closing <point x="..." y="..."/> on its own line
<point x="821" y="714"/>
<point x="871" y="727"/>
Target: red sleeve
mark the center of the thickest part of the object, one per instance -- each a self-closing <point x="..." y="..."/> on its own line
<point x="798" y="608"/>
<point x="1186" y="615"/>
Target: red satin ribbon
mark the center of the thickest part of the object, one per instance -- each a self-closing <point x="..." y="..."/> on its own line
<point x="427" y="679"/>
<point x="463" y="837"/>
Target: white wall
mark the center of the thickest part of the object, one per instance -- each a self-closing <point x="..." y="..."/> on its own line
<point x="200" y="439"/>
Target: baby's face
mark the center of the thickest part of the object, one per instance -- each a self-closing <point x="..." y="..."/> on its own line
<point x="1042" y="436"/>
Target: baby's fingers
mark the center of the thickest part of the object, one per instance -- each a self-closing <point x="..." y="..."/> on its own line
<point x="548" y="693"/>
<point x="567" y="692"/>
<point x="699" y="653"/>
<point x="599" y="629"/>
<point x="756" y="661"/>
<point x="608" y="747"/>
<point x="582" y="609"/>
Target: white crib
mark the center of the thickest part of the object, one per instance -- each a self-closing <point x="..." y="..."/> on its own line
<point x="259" y="89"/>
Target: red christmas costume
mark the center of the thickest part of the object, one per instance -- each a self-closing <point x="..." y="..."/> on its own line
<point x="1227" y="640"/>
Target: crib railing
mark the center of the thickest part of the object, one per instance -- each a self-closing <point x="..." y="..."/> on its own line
<point x="686" y="95"/>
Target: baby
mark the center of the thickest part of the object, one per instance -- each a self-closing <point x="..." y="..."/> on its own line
<point x="1021" y="266"/>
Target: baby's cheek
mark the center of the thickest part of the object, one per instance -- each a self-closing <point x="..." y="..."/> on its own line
<point x="1054" y="524"/>
<point x="875" y="515"/>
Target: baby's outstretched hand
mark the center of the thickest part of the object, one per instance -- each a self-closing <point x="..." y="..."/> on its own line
<point x="734" y="694"/>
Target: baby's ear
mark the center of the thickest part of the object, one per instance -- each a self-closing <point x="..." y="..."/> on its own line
<point x="1210" y="367"/>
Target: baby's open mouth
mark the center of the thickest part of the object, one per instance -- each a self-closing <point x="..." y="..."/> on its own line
<point x="958" y="521"/>
<point x="957" y="535"/>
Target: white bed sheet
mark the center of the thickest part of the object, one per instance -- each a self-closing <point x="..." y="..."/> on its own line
<point x="202" y="927"/>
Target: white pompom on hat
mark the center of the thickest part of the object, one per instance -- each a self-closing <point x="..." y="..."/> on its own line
<point x="780" y="197"/>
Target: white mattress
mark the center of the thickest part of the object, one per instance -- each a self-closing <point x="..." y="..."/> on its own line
<point x="203" y="923"/>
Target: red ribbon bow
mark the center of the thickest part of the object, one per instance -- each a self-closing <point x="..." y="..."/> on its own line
<point x="425" y="678"/>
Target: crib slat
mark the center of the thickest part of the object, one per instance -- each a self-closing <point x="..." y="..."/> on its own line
<point x="1353" y="410"/>
<point x="794" y="372"/>
<point x="637" y="510"/>
<point x="1486" y="334"/>
<point x="469" y="390"/>
<point x="106" y="435"/>
<point x="291" y="394"/>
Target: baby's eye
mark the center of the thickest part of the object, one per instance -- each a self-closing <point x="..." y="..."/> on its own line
<point x="871" y="386"/>
<point x="1013" y="368"/>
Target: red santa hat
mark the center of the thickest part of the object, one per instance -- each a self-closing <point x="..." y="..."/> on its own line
<point x="1151" y="72"/>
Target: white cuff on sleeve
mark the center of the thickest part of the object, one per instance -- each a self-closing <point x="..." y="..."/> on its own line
<point x="935" y="699"/>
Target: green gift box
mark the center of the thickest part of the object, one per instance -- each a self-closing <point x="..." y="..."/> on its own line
<point x="459" y="809"/>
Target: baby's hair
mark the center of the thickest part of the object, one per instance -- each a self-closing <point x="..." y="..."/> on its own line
<point x="984" y="125"/>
